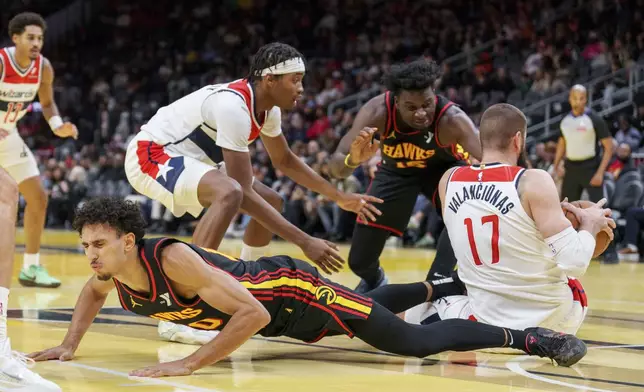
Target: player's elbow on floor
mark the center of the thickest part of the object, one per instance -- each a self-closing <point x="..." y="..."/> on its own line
<point x="261" y="316"/>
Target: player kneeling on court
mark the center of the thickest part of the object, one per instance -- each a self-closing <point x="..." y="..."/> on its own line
<point x="518" y="254"/>
<point x="167" y="279"/>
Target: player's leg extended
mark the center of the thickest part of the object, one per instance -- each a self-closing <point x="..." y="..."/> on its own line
<point x="444" y="260"/>
<point x="399" y="195"/>
<point x="384" y="331"/>
<point x="20" y="164"/>
<point x="10" y="365"/>
<point x="33" y="274"/>
<point x="216" y="189"/>
<point x="256" y="236"/>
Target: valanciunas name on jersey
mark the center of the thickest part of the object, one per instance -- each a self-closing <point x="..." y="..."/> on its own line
<point x="487" y="193"/>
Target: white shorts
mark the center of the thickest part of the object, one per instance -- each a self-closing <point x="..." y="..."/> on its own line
<point x="17" y="159"/>
<point x="156" y="172"/>
<point x="458" y="307"/>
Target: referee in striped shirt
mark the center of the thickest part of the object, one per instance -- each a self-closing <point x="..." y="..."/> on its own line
<point x="582" y="130"/>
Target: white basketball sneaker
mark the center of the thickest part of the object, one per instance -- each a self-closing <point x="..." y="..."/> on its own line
<point x="184" y="334"/>
<point x="15" y="373"/>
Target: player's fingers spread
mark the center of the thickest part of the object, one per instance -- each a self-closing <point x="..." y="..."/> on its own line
<point x="368" y="214"/>
<point x="602" y="202"/>
<point x="373" y="209"/>
<point x="372" y="199"/>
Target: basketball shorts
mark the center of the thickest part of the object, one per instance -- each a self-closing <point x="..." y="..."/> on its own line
<point x="16" y="158"/>
<point x="399" y="192"/>
<point x="304" y="305"/>
<point x="458" y="306"/>
<point x="157" y="172"/>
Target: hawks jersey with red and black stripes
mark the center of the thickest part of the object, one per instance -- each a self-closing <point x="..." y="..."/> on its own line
<point x="18" y="87"/>
<point x="417" y="149"/>
<point x="301" y="303"/>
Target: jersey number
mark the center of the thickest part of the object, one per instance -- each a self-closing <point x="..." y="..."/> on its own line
<point x="494" y="219"/>
<point x="207" y="324"/>
<point x="13" y="109"/>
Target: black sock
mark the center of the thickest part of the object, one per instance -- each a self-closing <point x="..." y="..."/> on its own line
<point x="445" y="260"/>
<point x="445" y="287"/>
<point x="517" y="339"/>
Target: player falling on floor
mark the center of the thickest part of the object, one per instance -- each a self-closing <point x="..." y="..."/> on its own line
<point x="517" y="252"/>
<point x="25" y="73"/>
<point x="167" y="279"/>
<point x="14" y="372"/>
<point x="421" y="135"/>
<point x="194" y="152"/>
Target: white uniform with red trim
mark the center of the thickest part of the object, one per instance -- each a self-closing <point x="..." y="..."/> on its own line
<point x="511" y="276"/>
<point x="18" y="88"/>
<point x="183" y="141"/>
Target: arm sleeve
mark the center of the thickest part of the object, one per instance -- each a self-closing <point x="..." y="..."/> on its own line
<point x="273" y="125"/>
<point x="601" y="129"/>
<point x="572" y="250"/>
<point x="228" y="114"/>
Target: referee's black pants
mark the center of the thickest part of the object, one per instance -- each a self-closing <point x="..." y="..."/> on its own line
<point x="577" y="178"/>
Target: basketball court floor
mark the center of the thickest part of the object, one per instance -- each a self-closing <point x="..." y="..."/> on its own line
<point x="119" y="342"/>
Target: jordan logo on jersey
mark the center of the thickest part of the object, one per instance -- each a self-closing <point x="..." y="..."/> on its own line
<point x="429" y="137"/>
<point x="165" y="298"/>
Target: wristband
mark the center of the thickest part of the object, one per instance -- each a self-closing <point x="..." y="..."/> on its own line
<point x="55" y="122"/>
<point x="346" y="162"/>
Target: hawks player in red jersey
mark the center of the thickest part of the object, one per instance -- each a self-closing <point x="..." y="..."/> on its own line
<point x="25" y="73"/>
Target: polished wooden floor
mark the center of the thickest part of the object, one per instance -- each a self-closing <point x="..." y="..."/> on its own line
<point x="119" y="342"/>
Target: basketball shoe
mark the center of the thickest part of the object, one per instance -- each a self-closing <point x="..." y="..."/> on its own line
<point x="563" y="348"/>
<point x="15" y="373"/>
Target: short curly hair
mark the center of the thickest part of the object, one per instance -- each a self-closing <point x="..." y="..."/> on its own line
<point x="18" y="23"/>
<point x="270" y="55"/>
<point x="417" y="75"/>
<point x="123" y="215"/>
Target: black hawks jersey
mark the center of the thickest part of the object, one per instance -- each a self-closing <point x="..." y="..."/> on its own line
<point x="301" y="303"/>
<point x="417" y="149"/>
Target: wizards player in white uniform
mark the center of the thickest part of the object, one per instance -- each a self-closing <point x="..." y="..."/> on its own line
<point x="194" y="153"/>
<point x="517" y="252"/>
<point x="25" y="73"/>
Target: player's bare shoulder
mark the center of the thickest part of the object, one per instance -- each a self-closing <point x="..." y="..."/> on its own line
<point x="532" y="184"/>
<point x="375" y="112"/>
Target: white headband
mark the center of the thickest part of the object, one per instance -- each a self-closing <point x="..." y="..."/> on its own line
<point x="294" y="65"/>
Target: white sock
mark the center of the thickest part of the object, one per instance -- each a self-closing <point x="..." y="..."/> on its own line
<point x="251" y="253"/>
<point x="30" y="259"/>
<point x="4" y="305"/>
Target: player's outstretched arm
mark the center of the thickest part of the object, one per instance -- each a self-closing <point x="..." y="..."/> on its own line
<point x="90" y="301"/>
<point x="572" y="250"/>
<point x="359" y="145"/>
<point x="456" y="127"/>
<point x="49" y="108"/>
<point x="285" y="160"/>
<point x="221" y="291"/>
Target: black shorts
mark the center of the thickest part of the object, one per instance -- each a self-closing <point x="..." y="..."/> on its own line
<point x="399" y="192"/>
<point x="311" y="306"/>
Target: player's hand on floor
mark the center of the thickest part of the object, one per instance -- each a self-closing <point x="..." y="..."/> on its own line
<point x="67" y="130"/>
<point x="324" y="254"/>
<point x="3" y="134"/>
<point x="60" y="353"/>
<point x="168" y="369"/>
<point x="360" y="205"/>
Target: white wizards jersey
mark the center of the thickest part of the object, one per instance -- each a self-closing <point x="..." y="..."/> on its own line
<point x="18" y="87"/>
<point x="213" y="117"/>
<point x="508" y="268"/>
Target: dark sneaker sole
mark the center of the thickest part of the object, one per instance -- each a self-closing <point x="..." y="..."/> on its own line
<point x="31" y="283"/>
